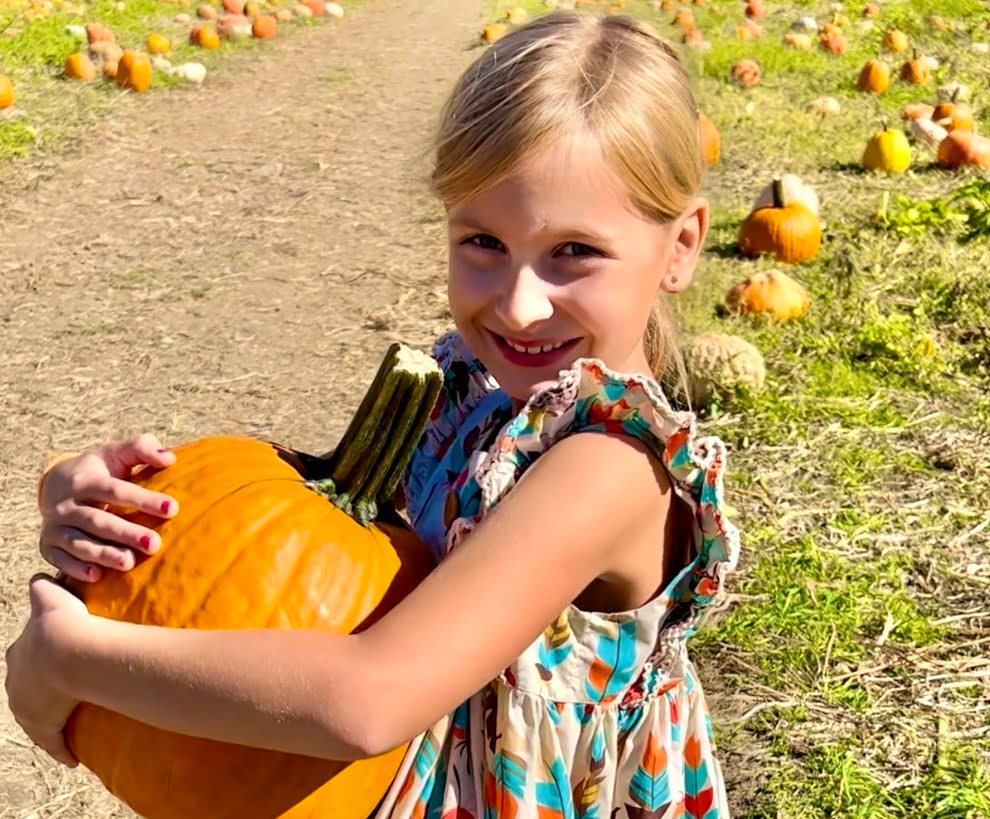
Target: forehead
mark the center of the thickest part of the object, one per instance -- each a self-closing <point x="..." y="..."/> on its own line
<point x="567" y="183"/>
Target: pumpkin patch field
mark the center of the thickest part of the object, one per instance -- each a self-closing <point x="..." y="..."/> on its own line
<point x="233" y="257"/>
<point x="850" y="675"/>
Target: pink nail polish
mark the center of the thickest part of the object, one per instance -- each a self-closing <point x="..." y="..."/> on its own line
<point x="165" y="507"/>
<point x="161" y="451"/>
<point x="145" y="541"/>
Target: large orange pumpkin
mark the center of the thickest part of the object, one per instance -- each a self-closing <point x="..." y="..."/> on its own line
<point x="260" y="542"/>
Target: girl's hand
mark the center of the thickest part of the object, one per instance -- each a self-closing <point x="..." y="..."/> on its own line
<point x="40" y="707"/>
<point x="78" y="533"/>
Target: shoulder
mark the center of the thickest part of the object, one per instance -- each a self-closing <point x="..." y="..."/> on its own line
<point x="612" y="478"/>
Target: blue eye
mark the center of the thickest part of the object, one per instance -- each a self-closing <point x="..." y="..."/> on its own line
<point x="485" y="241"/>
<point x="579" y="249"/>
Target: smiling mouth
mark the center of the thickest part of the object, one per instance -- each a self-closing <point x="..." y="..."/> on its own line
<point x="532" y="353"/>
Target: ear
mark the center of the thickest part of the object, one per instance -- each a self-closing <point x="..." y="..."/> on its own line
<point x="689" y="231"/>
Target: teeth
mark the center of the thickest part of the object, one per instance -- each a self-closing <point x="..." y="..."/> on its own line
<point x="546" y="348"/>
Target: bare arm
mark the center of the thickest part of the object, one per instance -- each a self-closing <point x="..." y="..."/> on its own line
<point x="352" y="696"/>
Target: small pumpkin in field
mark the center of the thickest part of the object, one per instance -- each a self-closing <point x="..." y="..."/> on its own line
<point x="208" y="13"/>
<point x="252" y="10"/>
<point x="80" y="67"/>
<point x="134" y="72"/>
<point x="264" y="27"/>
<point x="717" y="365"/>
<point x="204" y="36"/>
<point x="288" y="550"/>
<point x="833" y="41"/>
<point x="871" y="10"/>
<point x="695" y="38"/>
<point x="233" y="6"/>
<point x="789" y="232"/>
<point x="99" y="33"/>
<point x="887" y="151"/>
<point x="283" y="15"/>
<point x="917" y="110"/>
<point x="798" y="40"/>
<point x="874" y="77"/>
<point x="916" y="71"/>
<point x="964" y="148"/>
<point x="954" y="116"/>
<point x="684" y="20"/>
<point x="748" y="30"/>
<point x="157" y="44"/>
<point x="793" y="190"/>
<point x="237" y="26"/>
<point x="928" y="132"/>
<point x="7" y="95"/>
<point x="755" y="9"/>
<point x="110" y="69"/>
<point x="938" y="23"/>
<point x="825" y="107"/>
<point x="494" y="32"/>
<point x="709" y="141"/>
<point x="769" y="292"/>
<point x="746" y="73"/>
<point x="896" y="40"/>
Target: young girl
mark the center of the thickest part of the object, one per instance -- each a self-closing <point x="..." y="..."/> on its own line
<point x="542" y="663"/>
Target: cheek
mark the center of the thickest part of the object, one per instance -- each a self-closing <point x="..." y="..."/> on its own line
<point x="468" y="286"/>
<point x="616" y="303"/>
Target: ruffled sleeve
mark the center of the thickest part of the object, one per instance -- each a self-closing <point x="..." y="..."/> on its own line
<point x="590" y="397"/>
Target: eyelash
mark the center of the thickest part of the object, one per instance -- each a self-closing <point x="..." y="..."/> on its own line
<point x="589" y="251"/>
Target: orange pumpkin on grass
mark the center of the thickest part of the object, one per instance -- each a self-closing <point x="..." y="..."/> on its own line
<point x="6" y="92"/>
<point x="787" y="231"/>
<point x="263" y="541"/>
<point x="80" y="67"/>
<point x="264" y="27"/>
<point x="134" y="72"/>
<point x="709" y="141"/>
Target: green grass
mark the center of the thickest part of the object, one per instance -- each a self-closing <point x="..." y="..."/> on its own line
<point x="859" y="471"/>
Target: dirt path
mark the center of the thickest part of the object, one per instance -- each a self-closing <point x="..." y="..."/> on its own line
<point x="232" y="259"/>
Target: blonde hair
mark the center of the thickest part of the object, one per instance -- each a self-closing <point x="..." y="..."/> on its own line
<point x="608" y="76"/>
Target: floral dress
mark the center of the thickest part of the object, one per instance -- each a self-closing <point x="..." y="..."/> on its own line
<point x="602" y="717"/>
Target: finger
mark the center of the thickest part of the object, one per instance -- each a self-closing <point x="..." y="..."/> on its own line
<point x="70" y="566"/>
<point x="124" y="494"/>
<point x="46" y="593"/>
<point x="88" y="526"/>
<point x="84" y="548"/>
<point x="122" y="457"/>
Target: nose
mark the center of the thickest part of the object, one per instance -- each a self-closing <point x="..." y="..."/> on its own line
<point x="524" y="301"/>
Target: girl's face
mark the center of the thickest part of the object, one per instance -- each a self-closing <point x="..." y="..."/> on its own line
<point x="554" y="263"/>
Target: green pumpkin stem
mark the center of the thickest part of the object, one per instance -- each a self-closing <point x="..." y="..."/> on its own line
<point x="366" y="466"/>
<point x="778" y="192"/>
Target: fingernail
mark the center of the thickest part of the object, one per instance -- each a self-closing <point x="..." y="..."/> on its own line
<point x="166" y="505"/>
<point x="161" y="451"/>
<point x="145" y="541"/>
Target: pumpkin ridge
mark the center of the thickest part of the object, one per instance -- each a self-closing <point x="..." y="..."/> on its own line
<point x="128" y="612"/>
<point x="257" y="535"/>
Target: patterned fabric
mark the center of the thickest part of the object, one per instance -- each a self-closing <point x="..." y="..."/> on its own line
<point x="602" y="717"/>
